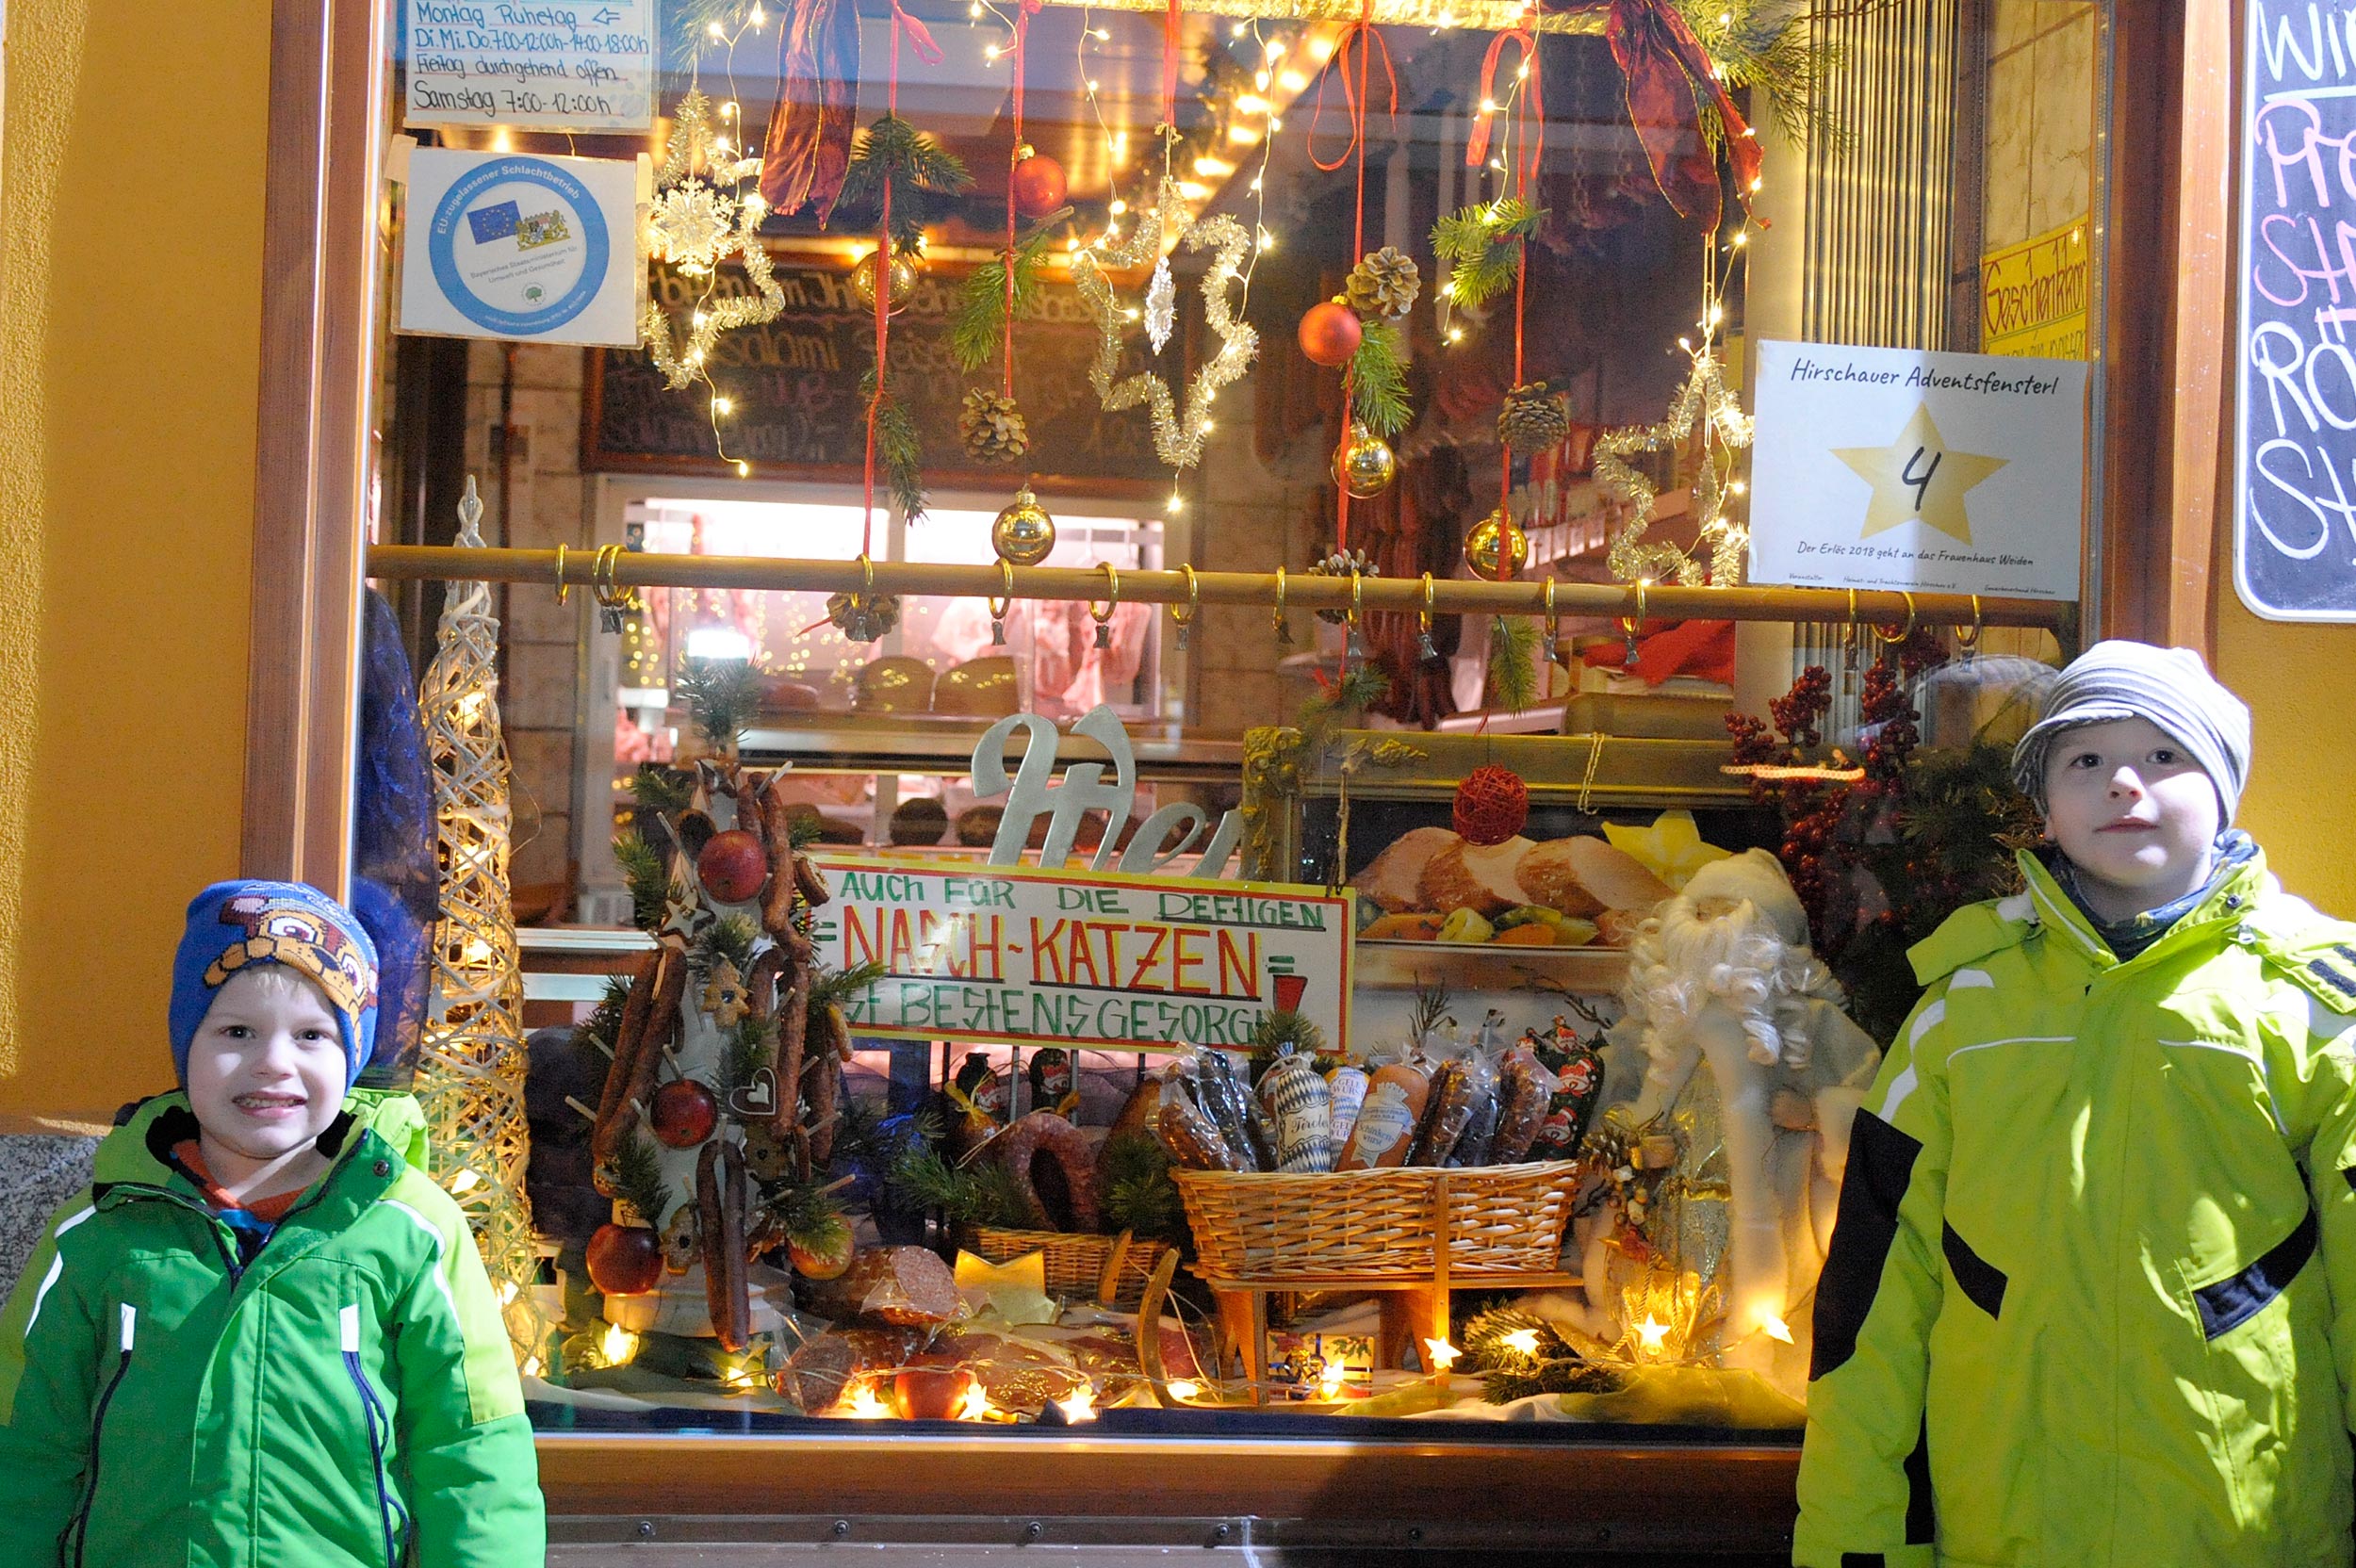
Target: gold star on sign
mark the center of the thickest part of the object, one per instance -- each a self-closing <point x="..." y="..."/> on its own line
<point x="1917" y="478"/>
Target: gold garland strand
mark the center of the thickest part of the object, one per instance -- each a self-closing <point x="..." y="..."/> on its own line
<point x="471" y="1056"/>
<point x="696" y="223"/>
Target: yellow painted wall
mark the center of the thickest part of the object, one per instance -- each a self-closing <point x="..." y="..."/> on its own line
<point x="2302" y="742"/>
<point x="131" y="193"/>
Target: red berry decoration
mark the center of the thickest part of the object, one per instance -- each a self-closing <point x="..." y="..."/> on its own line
<point x="625" y="1260"/>
<point x="684" y="1113"/>
<point x="1330" y="333"/>
<point x="733" y="867"/>
<point x="1038" y="185"/>
<point x="1492" y="803"/>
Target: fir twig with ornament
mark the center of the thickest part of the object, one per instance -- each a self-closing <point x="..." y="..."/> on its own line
<point x="978" y="323"/>
<point x="891" y="156"/>
<point x="899" y="452"/>
<point x="1512" y="663"/>
<point x="1485" y="244"/>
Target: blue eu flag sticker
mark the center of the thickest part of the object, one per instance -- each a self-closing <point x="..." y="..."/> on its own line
<point x="497" y="222"/>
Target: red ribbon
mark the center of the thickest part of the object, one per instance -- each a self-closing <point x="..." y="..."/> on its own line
<point x="927" y="50"/>
<point x="1171" y="42"/>
<point x="1359" y="32"/>
<point x="1532" y="110"/>
<point x="1665" y="65"/>
<point x="1022" y="35"/>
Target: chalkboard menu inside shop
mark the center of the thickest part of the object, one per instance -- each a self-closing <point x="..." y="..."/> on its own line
<point x="2295" y="433"/>
<point x="794" y="388"/>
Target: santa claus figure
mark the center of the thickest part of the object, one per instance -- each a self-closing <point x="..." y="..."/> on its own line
<point x="1733" y="1077"/>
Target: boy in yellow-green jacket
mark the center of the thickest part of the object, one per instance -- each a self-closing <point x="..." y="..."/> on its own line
<point x="2091" y="1295"/>
<point x="262" y="1335"/>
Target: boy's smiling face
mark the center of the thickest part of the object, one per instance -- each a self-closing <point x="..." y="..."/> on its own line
<point x="266" y="1074"/>
<point x="2134" y="813"/>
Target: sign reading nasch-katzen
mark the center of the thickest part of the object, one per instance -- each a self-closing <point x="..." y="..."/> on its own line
<point x="1912" y="469"/>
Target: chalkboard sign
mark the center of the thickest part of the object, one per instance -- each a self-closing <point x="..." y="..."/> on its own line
<point x="794" y="383"/>
<point x="2295" y="413"/>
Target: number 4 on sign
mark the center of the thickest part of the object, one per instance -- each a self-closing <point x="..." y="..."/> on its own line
<point x="1905" y="477"/>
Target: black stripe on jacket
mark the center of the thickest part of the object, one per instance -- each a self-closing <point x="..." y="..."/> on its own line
<point x="1881" y="1165"/>
<point x="2228" y="1303"/>
<point x="1982" y="1281"/>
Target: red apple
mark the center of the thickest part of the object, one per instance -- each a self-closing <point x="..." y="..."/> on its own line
<point x="825" y="1254"/>
<point x="684" y="1113"/>
<point x="932" y="1388"/>
<point x="625" y="1260"/>
<point x="733" y="867"/>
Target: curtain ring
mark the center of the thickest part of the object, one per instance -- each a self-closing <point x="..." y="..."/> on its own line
<point x="866" y="580"/>
<point x="1423" y="621"/>
<point x="1284" y="631"/>
<point x="999" y="605"/>
<point x="1627" y="625"/>
<point x="1356" y="586"/>
<point x="1553" y="619"/>
<point x="1891" y="639"/>
<point x="1970" y="643"/>
<point x="564" y="589"/>
<point x="601" y="572"/>
<point x="1194" y="594"/>
<point x="1112" y="593"/>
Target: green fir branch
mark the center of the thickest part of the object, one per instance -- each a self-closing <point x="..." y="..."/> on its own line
<point x="723" y="696"/>
<point x="836" y="987"/>
<point x="914" y="165"/>
<point x="638" y="1178"/>
<point x="899" y="451"/>
<point x="985" y="1193"/>
<point x="593" y="1038"/>
<point x="1485" y="244"/>
<point x="1512" y="669"/>
<point x="977" y="325"/>
<point x="730" y="937"/>
<point x="647" y="877"/>
<point x="660" y="790"/>
<point x="1280" y="1032"/>
<point x="1432" y="1004"/>
<point x="750" y="1047"/>
<point x="1378" y="381"/>
<point x="1138" y="1193"/>
<point x="1770" y="44"/>
<point x="805" y="828"/>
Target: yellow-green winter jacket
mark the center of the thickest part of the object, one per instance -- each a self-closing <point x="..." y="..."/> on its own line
<point x="345" y="1400"/>
<point x="2091" y="1294"/>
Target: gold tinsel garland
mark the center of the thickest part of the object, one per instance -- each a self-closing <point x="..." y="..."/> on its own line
<point x="696" y="221"/>
<point x="471" y="1059"/>
<point x="1178" y="444"/>
<point x="1703" y="402"/>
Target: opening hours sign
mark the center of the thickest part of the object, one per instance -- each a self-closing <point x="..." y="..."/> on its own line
<point x="1000" y="954"/>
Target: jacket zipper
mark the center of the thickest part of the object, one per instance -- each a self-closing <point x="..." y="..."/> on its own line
<point x="379" y="1423"/>
<point x="77" y="1530"/>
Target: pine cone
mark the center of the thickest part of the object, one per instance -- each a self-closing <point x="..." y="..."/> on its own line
<point x="992" y="428"/>
<point x="1383" y="286"/>
<point x="1341" y="564"/>
<point x="1532" y="419"/>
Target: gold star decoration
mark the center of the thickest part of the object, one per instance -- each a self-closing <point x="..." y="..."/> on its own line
<point x="1703" y="400"/>
<point x="1177" y="442"/>
<point x="698" y="220"/>
<point x="1015" y="1290"/>
<point x="1918" y="479"/>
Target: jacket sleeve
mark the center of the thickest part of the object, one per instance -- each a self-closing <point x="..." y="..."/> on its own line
<point x="475" y="1478"/>
<point x="48" y="1379"/>
<point x="1864" y="1474"/>
<point x="2329" y="1059"/>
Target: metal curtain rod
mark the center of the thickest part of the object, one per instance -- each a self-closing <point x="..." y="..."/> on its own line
<point x="1265" y="590"/>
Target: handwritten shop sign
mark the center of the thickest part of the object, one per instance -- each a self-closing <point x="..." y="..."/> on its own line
<point x="1905" y="468"/>
<point x="1071" y="958"/>
<point x="538" y="65"/>
<point x="2033" y="295"/>
<point x="2294" y="404"/>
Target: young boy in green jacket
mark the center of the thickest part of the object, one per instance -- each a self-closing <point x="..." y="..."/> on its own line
<point x="263" y="1336"/>
<point x="2091" y="1294"/>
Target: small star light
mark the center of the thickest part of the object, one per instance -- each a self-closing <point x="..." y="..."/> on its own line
<point x="696" y="221"/>
<point x="1176" y="442"/>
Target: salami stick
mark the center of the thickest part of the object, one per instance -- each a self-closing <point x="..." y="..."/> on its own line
<point x="792" y="1035"/>
<point x="630" y="1045"/>
<point x="720" y="1205"/>
<point x="749" y="788"/>
<point x="776" y="902"/>
<point x="810" y="881"/>
<point x="822" y="1097"/>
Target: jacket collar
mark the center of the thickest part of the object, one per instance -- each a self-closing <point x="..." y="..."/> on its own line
<point x="135" y="1160"/>
<point x="2227" y="898"/>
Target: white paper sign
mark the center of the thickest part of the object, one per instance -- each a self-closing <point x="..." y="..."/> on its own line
<point x="1905" y="468"/>
<point x="530" y="66"/>
<point x="541" y="250"/>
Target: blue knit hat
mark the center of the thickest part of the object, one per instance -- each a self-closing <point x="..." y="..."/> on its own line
<point x="235" y="925"/>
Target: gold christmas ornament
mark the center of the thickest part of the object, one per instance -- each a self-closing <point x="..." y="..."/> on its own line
<point x="696" y="221"/>
<point x="905" y="268"/>
<point x="991" y="427"/>
<point x="1023" y="534"/>
<point x="1177" y="441"/>
<point x="1495" y="541"/>
<point x="1383" y="286"/>
<point x="1365" y="465"/>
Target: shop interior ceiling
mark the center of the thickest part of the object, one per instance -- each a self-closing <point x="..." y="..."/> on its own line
<point x="1616" y="276"/>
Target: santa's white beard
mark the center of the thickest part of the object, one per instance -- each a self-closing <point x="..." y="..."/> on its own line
<point x="1681" y="963"/>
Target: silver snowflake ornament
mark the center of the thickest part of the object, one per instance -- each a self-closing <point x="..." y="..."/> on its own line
<point x="1161" y="305"/>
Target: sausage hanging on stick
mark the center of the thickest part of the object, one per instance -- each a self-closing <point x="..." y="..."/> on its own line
<point x="776" y="902"/>
<point x="720" y="1206"/>
<point x="792" y="1037"/>
<point x="810" y="881"/>
<point x="825" y="1093"/>
<point x="750" y="787"/>
<point x="630" y="1076"/>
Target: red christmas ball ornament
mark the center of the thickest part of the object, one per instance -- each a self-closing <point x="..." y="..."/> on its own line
<point x="733" y="867"/>
<point x="684" y="1113"/>
<point x="1039" y="185"/>
<point x="1330" y="333"/>
<point x="625" y="1260"/>
<point x="1492" y="803"/>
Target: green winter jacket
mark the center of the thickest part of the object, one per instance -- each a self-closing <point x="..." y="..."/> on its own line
<point x="2091" y="1295"/>
<point x="347" y="1401"/>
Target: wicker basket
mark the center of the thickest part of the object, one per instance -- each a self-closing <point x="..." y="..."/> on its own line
<point x="1075" y="1262"/>
<point x="1374" y="1225"/>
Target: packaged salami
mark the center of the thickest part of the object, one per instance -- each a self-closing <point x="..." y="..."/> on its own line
<point x="1578" y="1082"/>
<point x="1397" y="1094"/>
<point x="1347" y="1087"/>
<point x="1193" y="1140"/>
<point x="1240" y="1119"/>
<point x="1302" y="1108"/>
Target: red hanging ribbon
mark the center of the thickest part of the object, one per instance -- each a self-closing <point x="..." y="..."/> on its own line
<point x="1665" y="65"/>
<point x="927" y="50"/>
<point x="1172" y="40"/>
<point x="1531" y="100"/>
<point x="1360" y="33"/>
<point x="1022" y="35"/>
<point x="807" y="148"/>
